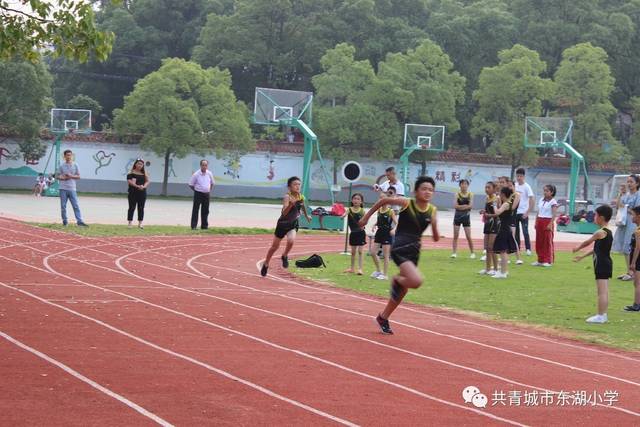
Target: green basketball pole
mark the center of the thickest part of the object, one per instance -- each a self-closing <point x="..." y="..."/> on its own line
<point x="53" y="189"/>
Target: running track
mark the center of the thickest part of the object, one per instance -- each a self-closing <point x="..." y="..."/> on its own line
<point x="183" y="330"/>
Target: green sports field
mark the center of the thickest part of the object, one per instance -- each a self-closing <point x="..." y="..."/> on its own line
<point x="559" y="298"/>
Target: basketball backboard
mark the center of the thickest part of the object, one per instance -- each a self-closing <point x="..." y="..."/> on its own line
<point x="273" y="106"/>
<point x="548" y="133"/>
<point x="423" y="137"/>
<point x="70" y="120"/>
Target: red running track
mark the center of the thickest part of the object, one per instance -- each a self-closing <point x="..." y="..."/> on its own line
<point x="183" y="330"/>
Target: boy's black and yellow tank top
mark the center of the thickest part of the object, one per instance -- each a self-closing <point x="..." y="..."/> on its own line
<point x="294" y="213"/>
<point x="412" y="221"/>
<point x="384" y="219"/>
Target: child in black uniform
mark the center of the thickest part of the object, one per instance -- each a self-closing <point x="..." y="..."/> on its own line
<point x="504" y="244"/>
<point x="383" y="236"/>
<point x="414" y="218"/>
<point x="462" y="203"/>
<point x="602" y="264"/>
<point x="292" y="206"/>
<point x="490" y="230"/>
<point x="357" y="234"/>
<point x="635" y="260"/>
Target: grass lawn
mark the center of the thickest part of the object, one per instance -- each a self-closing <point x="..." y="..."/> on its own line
<point x="105" y="230"/>
<point x="559" y="298"/>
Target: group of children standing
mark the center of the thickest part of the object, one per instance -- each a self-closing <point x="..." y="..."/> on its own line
<point x="399" y="233"/>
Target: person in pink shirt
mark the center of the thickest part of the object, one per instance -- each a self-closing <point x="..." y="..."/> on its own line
<point x="201" y="183"/>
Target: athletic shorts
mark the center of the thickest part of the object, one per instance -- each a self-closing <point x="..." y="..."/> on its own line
<point x="402" y="252"/>
<point x="383" y="237"/>
<point x="357" y="238"/>
<point x="603" y="268"/>
<point x="463" y="220"/>
<point x="282" y="228"/>
<point x="491" y="226"/>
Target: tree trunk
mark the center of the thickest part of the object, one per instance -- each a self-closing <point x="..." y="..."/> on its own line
<point x="423" y="166"/>
<point x="165" y="180"/>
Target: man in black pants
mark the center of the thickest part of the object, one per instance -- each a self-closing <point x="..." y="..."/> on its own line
<point x="201" y="183"/>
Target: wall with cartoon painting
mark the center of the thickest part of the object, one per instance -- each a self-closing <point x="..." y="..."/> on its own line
<point x="104" y="168"/>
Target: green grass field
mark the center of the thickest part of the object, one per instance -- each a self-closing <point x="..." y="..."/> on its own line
<point x="558" y="299"/>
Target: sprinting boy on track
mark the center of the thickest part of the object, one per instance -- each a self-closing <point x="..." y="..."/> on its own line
<point x="414" y="218"/>
<point x="292" y="205"/>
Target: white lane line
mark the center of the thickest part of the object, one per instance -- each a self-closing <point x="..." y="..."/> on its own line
<point x="86" y="380"/>
<point x="262" y="341"/>
<point x="187" y="358"/>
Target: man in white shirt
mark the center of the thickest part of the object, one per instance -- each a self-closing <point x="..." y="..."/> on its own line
<point x="527" y="202"/>
<point x="392" y="180"/>
<point x="201" y="183"/>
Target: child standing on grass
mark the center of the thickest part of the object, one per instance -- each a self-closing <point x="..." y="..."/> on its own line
<point x="357" y="234"/>
<point x="504" y="243"/>
<point x="545" y="223"/>
<point x="462" y="203"/>
<point x="384" y="231"/>
<point x="292" y="205"/>
<point x="491" y="225"/>
<point x="414" y="218"/>
<point x="635" y="260"/>
<point x="602" y="263"/>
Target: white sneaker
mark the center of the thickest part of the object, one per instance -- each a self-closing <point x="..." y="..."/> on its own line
<point x="536" y="264"/>
<point x="375" y="274"/>
<point x="491" y="273"/>
<point x="454" y="255"/>
<point x="472" y="256"/>
<point x="381" y="277"/>
<point x="501" y="275"/>
<point x="483" y="258"/>
<point x="546" y="264"/>
<point x="528" y="252"/>
<point x="509" y="262"/>
<point x="598" y="318"/>
<point x="519" y="262"/>
<point x="483" y="271"/>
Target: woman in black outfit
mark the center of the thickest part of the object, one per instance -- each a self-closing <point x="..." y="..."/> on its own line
<point x="138" y="182"/>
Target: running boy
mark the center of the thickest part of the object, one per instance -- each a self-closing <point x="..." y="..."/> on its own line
<point x="602" y="264"/>
<point x="357" y="235"/>
<point x="292" y="206"/>
<point x="462" y="203"/>
<point x="491" y="225"/>
<point x="414" y="218"/>
<point x="635" y="259"/>
<point x="383" y="232"/>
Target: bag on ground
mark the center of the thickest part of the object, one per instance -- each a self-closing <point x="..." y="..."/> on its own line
<point x="314" y="261"/>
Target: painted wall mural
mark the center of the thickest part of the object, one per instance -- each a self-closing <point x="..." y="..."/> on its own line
<point x="112" y="162"/>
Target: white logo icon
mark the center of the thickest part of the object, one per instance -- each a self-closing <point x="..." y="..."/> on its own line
<point x="471" y="394"/>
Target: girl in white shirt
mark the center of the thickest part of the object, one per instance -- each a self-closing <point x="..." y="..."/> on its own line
<point x="545" y="223"/>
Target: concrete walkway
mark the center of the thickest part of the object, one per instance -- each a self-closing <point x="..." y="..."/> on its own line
<point x="113" y="210"/>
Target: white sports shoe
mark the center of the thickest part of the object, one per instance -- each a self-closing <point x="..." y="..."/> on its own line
<point x="483" y="258"/>
<point x="381" y="277"/>
<point x="528" y="252"/>
<point x="483" y="271"/>
<point x="454" y="255"/>
<point x="519" y="262"/>
<point x="375" y="274"/>
<point x="546" y="264"/>
<point x="491" y="273"/>
<point x="501" y="275"/>
<point x="598" y="318"/>
<point x="472" y="256"/>
<point x="536" y="264"/>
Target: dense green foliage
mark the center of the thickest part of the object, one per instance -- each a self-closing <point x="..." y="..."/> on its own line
<point x="362" y="59"/>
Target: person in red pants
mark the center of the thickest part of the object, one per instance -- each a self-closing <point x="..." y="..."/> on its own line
<point x="545" y="223"/>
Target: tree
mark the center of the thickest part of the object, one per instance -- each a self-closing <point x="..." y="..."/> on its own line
<point x="65" y="25"/>
<point x="25" y="90"/>
<point x="584" y="86"/>
<point x="183" y="108"/>
<point x="506" y="94"/>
